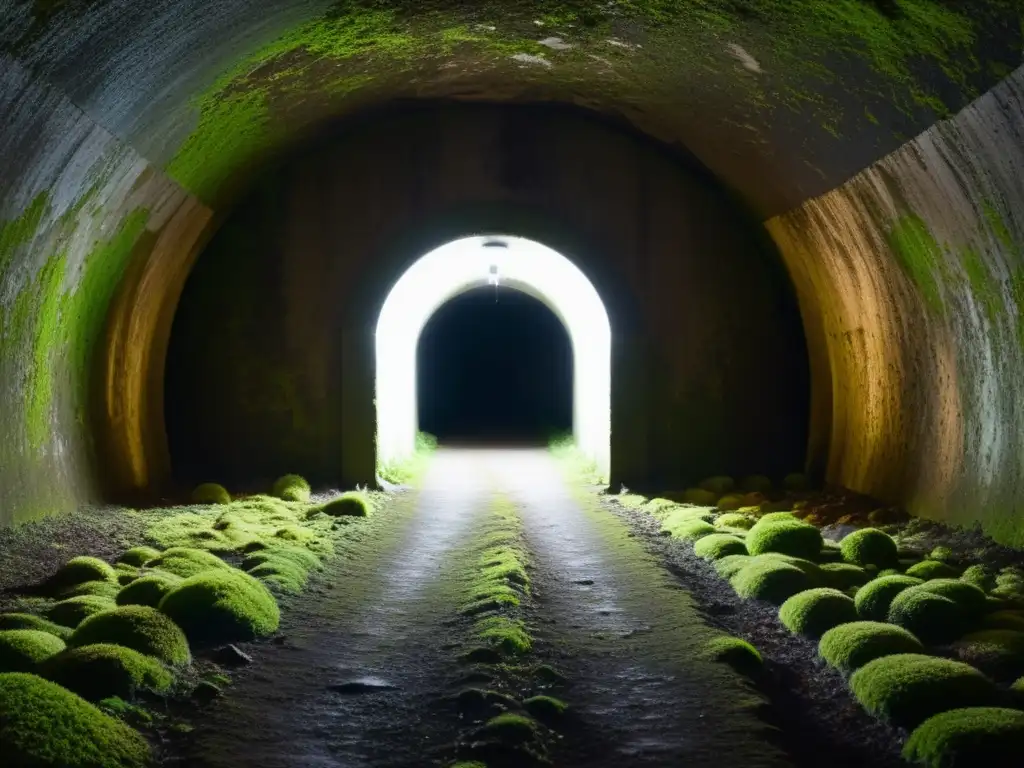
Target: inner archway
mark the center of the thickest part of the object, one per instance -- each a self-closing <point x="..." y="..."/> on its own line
<point x="476" y="262"/>
<point x="494" y="364"/>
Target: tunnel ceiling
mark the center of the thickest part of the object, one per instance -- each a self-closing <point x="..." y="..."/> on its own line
<point x="782" y="99"/>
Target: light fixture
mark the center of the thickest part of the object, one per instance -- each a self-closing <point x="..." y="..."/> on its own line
<point x="492" y="277"/>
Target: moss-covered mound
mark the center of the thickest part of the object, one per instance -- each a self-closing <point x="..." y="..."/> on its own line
<point x="139" y="627"/>
<point x="701" y="497"/>
<point x="987" y="737"/>
<point x="79" y="570"/>
<point x="907" y="689"/>
<point x="738" y="654"/>
<point x="298" y="555"/>
<point x="735" y="520"/>
<point x="730" y="565"/>
<point x="148" y="590"/>
<point x="22" y="650"/>
<point x="844" y="576"/>
<point x="979" y="576"/>
<point x="969" y="597"/>
<point x="686" y="525"/>
<point x="510" y="728"/>
<point x="97" y="672"/>
<point x="547" y="709"/>
<point x="138" y="556"/>
<point x="74" y="610"/>
<point x="210" y="493"/>
<point x="932" y="569"/>
<point x="44" y="725"/>
<point x="107" y="589"/>
<point x="756" y="484"/>
<point x="222" y="606"/>
<point x="849" y="647"/>
<point x="185" y="562"/>
<point x="779" y="516"/>
<point x="719" y="545"/>
<point x="997" y="652"/>
<point x="789" y="537"/>
<point x="280" y="573"/>
<point x="995" y="620"/>
<point x="291" y="488"/>
<point x="719" y="484"/>
<point x="350" y="504"/>
<point x="869" y="546"/>
<point x="773" y="581"/>
<point x="932" y="618"/>
<point x="873" y="599"/>
<point x="28" y="621"/>
<point x="815" y="611"/>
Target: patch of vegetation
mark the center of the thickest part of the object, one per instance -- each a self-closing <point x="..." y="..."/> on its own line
<point x="773" y="581"/>
<point x="984" y="736"/>
<point x="815" y="611"/>
<point x="686" y="525"/>
<point x="794" y="538"/>
<point x="107" y="589"/>
<point x="731" y="502"/>
<point x="796" y="481"/>
<point x="743" y="657"/>
<point x="720" y="484"/>
<point x="848" y="647"/>
<point x="546" y="709"/>
<point x="869" y="546"/>
<point x="185" y="562"/>
<point x="997" y="620"/>
<point x="920" y="258"/>
<point x="139" y="627"/>
<point x="22" y="650"/>
<point x="139" y="556"/>
<point x="873" y="599"/>
<point x="719" y="545"/>
<point x="996" y="652"/>
<point x="907" y="689"/>
<point x="735" y="520"/>
<point x="409" y="471"/>
<point x="756" y="484"/>
<point x="282" y="573"/>
<point x="349" y="504"/>
<point x="932" y="618"/>
<point x="210" y="493"/>
<point x="74" y="610"/>
<point x="97" y="672"/>
<point x="967" y="596"/>
<point x="932" y="569"/>
<point x="78" y="570"/>
<point x="979" y="576"/>
<point x="148" y="590"/>
<point x="730" y="565"/>
<point x="701" y="497"/>
<point x="222" y="606"/>
<point x="510" y="728"/>
<point x="29" y="621"/>
<point x="291" y="488"/>
<point x="43" y="724"/>
<point x="844" y="576"/>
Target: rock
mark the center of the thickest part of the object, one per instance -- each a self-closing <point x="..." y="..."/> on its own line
<point x="206" y="691"/>
<point x="362" y="685"/>
<point x="232" y="656"/>
<point x="838" y="532"/>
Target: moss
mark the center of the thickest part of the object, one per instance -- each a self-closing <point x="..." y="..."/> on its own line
<point x="773" y="517"/>
<point x="147" y="590"/>
<point x="139" y="556"/>
<point x="932" y="618"/>
<point x="844" y="576"/>
<point x="78" y="570"/>
<point x="796" y="481"/>
<point x="730" y="565"/>
<point x="996" y="620"/>
<point x="106" y="589"/>
<point x="730" y="502"/>
<point x="299" y="556"/>
<point x="744" y="658"/>
<point x="139" y="627"/>
<point x="979" y="576"/>
<point x="984" y="736"/>
<point x="222" y="606"/>
<point x="735" y="520"/>
<point x="210" y="493"/>
<point x="720" y="484"/>
<point x="985" y="290"/>
<point x="701" y="497"/>
<point x="350" y="504"/>
<point x="942" y="554"/>
<point x="291" y="488"/>
<point x="74" y="610"/>
<point x="510" y="728"/>
<point x="185" y="562"/>
<point x="719" y="545"/>
<point x="126" y="574"/>
<point x="686" y="527"/>
<point x="773" y="581"/>
<point x="996" y="652"/>
<point x="507" y="635"/>
<point x="920" y="258"/>
<point x="848" y="647"/>
<point x="28" y="621"/>
<point x="22" y="650"/>
<point x="967" y="596"/>
<point x="547" y="709"/>
<point x="932" y="569"/>
<point x="100" y="671"/>
<point x="42" y="724"/>
<point x="874" y="599"/>
<point x="787" y="537"/>
<point x="869" y="546"/>
<point x="756" y="484"/>
<point x="815" y="611"/>
<point x="286" y="575"/>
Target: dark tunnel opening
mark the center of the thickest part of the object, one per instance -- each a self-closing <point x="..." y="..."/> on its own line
<point x="494" y="364"/>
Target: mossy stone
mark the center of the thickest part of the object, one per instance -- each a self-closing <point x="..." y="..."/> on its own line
<point x="547" y="709"/>
<point x="756" y="484"/>
<point x="185" y="562"/>
<point x="43" y="724"/>
<point x="996" y="652"/>
<point x="995" y="620"/>
<point x="815" y="611"/>
<point x="907" y="689"/>
<point x="869" y="546"/>
<point x="730" y="502"/>
<point x="97" y="672"/>
<point x="138" y="556"/>
<point x="139" y="627"/>
<point x="277" y="572"/>
<point x="718" y="545"/>
<point x="291" y="488"/>
<point x="743" y="657"/>
<point x="735" y="520"/>
<point x="992" y="737"/>
<point x="74" y="610"/>
<point x="108" y="589"/>
<point x="29" y="621"/>
<point x="942" y="554"/>
<point x="730" y="565"/>
<point x="148" y="590"/>
<point x="22" y="650"/>
<point x="969" y="597"/>
<point x="770" y="580"/>
<point x="78" y="570"/>
<point x="701" y="497"/>
<point x="686" y="528"/>
<point x="720" y="484"/>
<point x="351" y="504"/>
<point x="844" y="576"/>
<point x="849" y="647"/>
<point x="510" y="728"/>
<point x="932" y="618"/>
<point x="777" y="516"/>
<point x="222" y="606"/>
<point x="873" y="599"/>
<point x="979" y="576"/>
<point x="932" y="569"/>
<point x="788" y="537"/>
<point x="210" y="493"/>
<point x="796" y="481"/>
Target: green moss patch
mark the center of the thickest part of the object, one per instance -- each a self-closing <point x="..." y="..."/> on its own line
<point x="686" y="525"/>
<point x="222" y="606"/>
<point x="997" y="652"/>
<point x="719" y="484"/>
<point x="29" y="621"/>
<point x="967" y="596"/>
<point x="350" y="504"/>
<point x="96" y="672"/>
<point x="22" y="650"/>
<point x="907" y="689"/>
<point x="770" y="580"/>
<point x="210" y="493"/>
<point x="281" y="573"/>
<point x="849" y="647"/>
<point x="106" y="589"/>
<point x="844" y="576"/>
<point x="139" y="627"/>
<point x="873" y="599"/>
<point x="932" y="618"/>
<point x="547" y="709"/>
<point x="291" y="488"/>
<point x="138" y="556"/>
<point x="789" y="537"/>
<point x="992" y="737"/>
<point x="701" y="497"/>
<point x="730" y="565"/>
<point x="743" y="657"/>
<point x="185" y="562"/>
<point x="735" y="520"/>
<point x="995" y="620"/>
<point x="79" y="570"/>
<point x="869" y="546"/>
<point x="932" y="569"/>
<point x="510" y="728"/>
<point x="148" y="590"/>
<point x="74" y="610"/>
<point x="718" y="545"/>
<point x="815" y="611"/>
<point x="979" y="576"/>
<point x="43" y="724"/>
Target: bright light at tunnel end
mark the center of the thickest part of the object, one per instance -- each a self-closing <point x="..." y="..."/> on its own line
<point x="479" y="261"/>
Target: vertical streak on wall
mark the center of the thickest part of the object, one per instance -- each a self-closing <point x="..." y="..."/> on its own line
<point x="911" y="283"/>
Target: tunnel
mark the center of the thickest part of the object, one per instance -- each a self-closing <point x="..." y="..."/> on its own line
<point x="251" y="239"/>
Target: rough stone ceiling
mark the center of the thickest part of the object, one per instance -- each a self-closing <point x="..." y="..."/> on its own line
<point x="782" y="99"/>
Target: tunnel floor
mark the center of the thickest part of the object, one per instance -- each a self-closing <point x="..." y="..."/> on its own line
<point x="370" y="659"/>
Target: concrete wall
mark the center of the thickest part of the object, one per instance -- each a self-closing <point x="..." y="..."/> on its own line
<point x="701" y="310"/>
